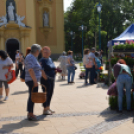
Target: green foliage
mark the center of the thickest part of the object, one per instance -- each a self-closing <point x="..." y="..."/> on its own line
<point x="113" y="102"/>
<point x="113" y="21"/>
<point x="124" y="47"/>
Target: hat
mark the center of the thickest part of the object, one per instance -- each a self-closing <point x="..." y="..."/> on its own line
<point x="92" y="49"/>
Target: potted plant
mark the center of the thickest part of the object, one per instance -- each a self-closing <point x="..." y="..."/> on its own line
<point x="116" y="48"/>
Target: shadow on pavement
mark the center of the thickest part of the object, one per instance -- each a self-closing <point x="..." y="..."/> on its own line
<point x="84" y="86"/>
<point x="113" y="115"/>
<point x="65" y="84"/>
<point x="102" y="85"/>
<point x="20" y="92"/>
<point x="2" y="102"/>
<point x="8" y="128"/>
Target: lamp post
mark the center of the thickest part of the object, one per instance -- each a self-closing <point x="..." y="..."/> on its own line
<point x="99" y="7"/>
<point x="82" y="28"/>
<point x="72" y="37"/>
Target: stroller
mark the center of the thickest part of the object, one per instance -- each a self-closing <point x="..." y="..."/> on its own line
<point x="82" y="74"/>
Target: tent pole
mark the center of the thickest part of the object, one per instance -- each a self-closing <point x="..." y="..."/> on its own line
<point x="110" y="67"/>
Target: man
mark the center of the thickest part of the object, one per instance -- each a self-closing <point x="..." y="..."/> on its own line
<point x="92" y="70"/>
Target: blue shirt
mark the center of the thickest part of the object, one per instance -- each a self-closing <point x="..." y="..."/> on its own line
<point x="48" y="66"/>
<point x="98" y="62"/>
<point x="32" y="63"/>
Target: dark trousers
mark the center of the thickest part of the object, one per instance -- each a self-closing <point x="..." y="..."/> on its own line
<point x="30" y="104"/>
<point x="87" y="74"/>
<point x="92" y="75"/>
<point x="20" y="69"/>
<point x="50" y="89"/>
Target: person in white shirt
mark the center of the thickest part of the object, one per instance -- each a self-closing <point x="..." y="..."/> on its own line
<point x="91" y="57"/>
<point x="85" y="62"/>
<point x="63" y="64"/>
<point x="5" y="64"/>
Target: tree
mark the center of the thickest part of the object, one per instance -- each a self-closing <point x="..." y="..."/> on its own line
<point x="116" y="15"/>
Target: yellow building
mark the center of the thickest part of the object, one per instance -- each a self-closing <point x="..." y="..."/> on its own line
<point x="26" y="22"/>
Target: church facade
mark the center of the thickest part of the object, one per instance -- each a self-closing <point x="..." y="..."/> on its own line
<point x="27" y="22"/>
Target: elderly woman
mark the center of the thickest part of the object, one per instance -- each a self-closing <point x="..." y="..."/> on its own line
<point x="33" y="73"/>
<point x="63" y="64"/>
<point x="50" y="70"/>
<point x="5" y="64"/>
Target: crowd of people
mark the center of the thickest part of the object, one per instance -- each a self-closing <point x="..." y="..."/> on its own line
<point x="33" y="69"/>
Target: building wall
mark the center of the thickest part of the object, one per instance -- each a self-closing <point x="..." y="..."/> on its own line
<point x="35" y="33"/>
<point x="54" y="37"/>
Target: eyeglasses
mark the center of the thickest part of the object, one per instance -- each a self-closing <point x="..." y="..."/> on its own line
<point x="46" y="51"/>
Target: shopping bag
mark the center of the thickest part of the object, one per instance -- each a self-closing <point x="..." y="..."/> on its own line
<point x="10" y="76"/>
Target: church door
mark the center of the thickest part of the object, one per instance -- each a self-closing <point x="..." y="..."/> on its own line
<point x="11" y="46"/>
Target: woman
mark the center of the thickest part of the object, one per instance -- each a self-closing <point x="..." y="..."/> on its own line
<point x="20" y="63"/>
<point x="63" y="64"/>
<point x="71" y="67"/>
<point x="100" y="56"/>
<point x="98" y="63"/>
<point x="22" y="77"/>
<point x="5" y="64"/>
<point x="85" y="62"/>
<point x="33" y="73"/>
<point x="123" y="76"/>
<point x="50" y="70"/>
<point x="28" y="51"/>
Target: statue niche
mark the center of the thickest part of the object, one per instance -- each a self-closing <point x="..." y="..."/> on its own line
<point x="11" y="10"/>
<point x="46" y="19"/>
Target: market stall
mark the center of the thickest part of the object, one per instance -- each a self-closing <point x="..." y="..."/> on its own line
<point x="121" y="47"/>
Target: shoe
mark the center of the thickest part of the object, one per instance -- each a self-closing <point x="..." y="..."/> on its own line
<point x="119" y="111"/>
<point x="32" y="118"/>
<point x="52" y="111"/>
<point x="129" y="111"/>
<point x="86" y="83"/>
<point x="69" y="82"/>
<point x="47" y="112"/>
<point x="6" y="98"/>
<point x="93" y="83"/>
<point x="72" y="82"/>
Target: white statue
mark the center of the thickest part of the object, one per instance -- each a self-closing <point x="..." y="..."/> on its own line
<point x="11" y="12"/>
<point x="4" y="20"/>
<point x="46" y="19"/>
<point x="19" y="19"/>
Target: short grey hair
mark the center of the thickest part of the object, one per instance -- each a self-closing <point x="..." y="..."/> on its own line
<point x="35" y="48"/>
<point x="63" y="53"/>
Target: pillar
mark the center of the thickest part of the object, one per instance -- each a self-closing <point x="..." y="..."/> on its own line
<point x="2" y="43"/>
<point x="26" y="43"/>
<point x="22" y="45"/>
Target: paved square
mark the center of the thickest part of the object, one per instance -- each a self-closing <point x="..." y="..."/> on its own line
<point x="79" y="110"/>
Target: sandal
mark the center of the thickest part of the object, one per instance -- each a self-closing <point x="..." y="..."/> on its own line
<point x="32" y="118"/>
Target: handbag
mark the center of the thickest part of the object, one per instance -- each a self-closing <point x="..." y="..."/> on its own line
<point x="39" y="97"/>
<point x="75" y="67"/>
<point x="90" y="64"/>
<point x="10" y="76"/>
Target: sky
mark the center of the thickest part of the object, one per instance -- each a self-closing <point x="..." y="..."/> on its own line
<point x="67" y="4"/>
